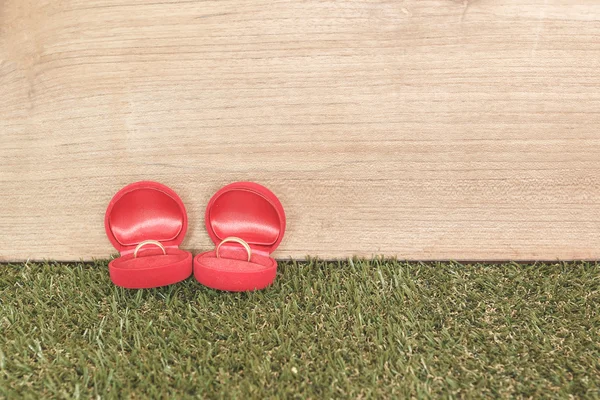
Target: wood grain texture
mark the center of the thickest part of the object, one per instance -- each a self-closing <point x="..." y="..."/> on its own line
<point x="425" y="129"/>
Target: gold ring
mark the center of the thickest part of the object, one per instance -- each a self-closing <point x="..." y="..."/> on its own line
<point x="144" y="243"/>
<point x="237" y="240"/>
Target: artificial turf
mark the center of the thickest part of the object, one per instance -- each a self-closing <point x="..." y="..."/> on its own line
<point x="352" y="329"/>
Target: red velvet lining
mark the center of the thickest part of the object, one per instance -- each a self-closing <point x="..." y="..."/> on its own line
<point x="257" y="263"/>
<point x="249" y="211"/>
<point x="144" y="214"/>
<point x="150" y="259"/>
<point x="247" y="215"/>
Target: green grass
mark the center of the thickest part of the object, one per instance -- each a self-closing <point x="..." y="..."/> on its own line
<point x="356" y="329"/>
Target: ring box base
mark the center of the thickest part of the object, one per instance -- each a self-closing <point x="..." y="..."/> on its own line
<point x="234" y="275"/>
<point x="151" y="270"/>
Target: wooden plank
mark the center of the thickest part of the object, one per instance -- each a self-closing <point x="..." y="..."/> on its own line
<point x="424" y="129"/>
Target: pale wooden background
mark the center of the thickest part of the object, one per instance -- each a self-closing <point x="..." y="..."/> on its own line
<point x="424" y="129"/>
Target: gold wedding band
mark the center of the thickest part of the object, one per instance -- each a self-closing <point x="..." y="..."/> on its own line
<point x="146" y="242"/>
<point x="237" y="240"/>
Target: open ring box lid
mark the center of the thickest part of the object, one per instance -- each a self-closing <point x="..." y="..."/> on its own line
<point x="251" y="212"/>
<point x="145" y="211"/>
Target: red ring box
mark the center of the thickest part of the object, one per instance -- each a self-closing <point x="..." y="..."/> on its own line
<point x="147" y="211"/>
<point x="251" y="212"/>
